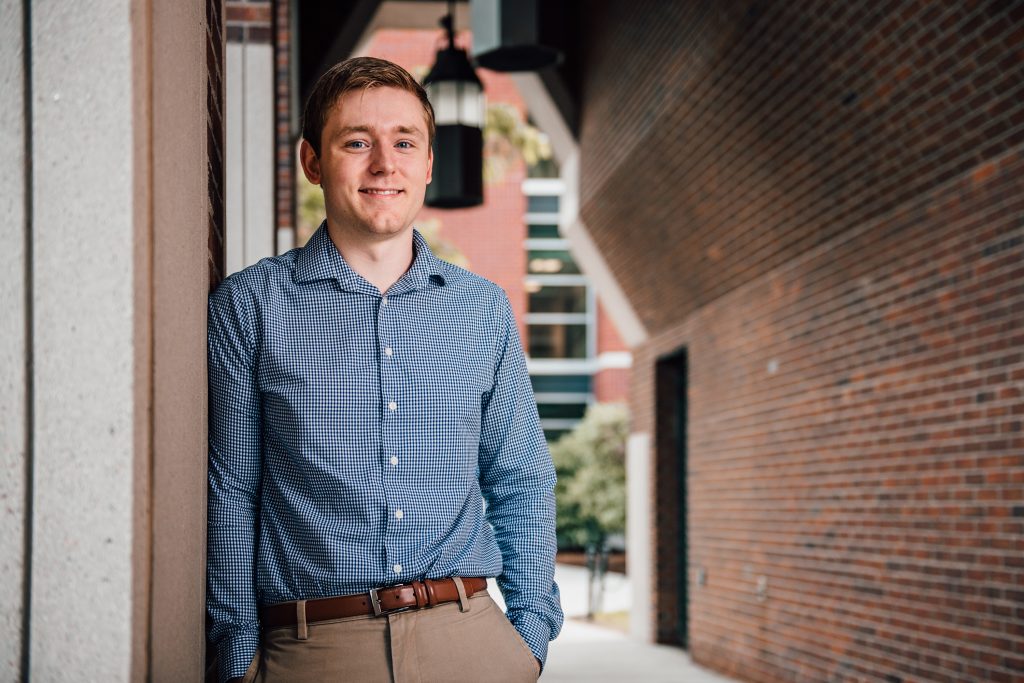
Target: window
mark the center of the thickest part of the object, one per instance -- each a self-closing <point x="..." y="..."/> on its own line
<point x="565" y="411"/>
<point x="556" y="299"/>
<point x="551" y="262"/>
<point x="542" y="204"/>
<point x="576" y="384"/>
<point x="543" y="230"/>
<point x="557" y="340"/>
<point x="560" y="315"/>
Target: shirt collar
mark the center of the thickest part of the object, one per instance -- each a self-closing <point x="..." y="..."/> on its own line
<point x="321" y="260"/>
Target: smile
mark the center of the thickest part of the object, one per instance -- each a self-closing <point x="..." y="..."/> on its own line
<point x="379" y="192"/>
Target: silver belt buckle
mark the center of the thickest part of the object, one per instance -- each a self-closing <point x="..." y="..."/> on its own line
<point x="375" y="602"/>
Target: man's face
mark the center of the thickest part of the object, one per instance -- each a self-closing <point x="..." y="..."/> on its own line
<point x="375" y="162"/>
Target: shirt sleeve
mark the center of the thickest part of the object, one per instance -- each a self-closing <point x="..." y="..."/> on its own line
<point x="234" y="476"/>
<point x="517" y="479"/>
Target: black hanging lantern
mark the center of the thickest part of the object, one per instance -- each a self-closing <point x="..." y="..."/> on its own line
<point x="457" y="96"/>
<point x="506" y="36"/>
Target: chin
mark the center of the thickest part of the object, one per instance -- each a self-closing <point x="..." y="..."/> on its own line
<point x="387" y="229"/>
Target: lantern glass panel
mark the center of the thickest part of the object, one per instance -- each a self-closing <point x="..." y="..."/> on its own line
<point x="457" y="102"/>
<point x="471" y="105"/>
<point x="444" y="97"/>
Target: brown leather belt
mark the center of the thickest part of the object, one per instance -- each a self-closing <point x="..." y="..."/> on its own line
<point x="378" y="602"/>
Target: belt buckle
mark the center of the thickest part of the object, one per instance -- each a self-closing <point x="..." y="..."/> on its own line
<point x="377" y="610"/>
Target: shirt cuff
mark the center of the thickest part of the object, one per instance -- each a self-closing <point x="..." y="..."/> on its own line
<point x="235" y="653"/>
<point x="535" y="631"/>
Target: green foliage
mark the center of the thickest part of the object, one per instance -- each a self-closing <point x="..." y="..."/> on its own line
<point x="311" y="210"/>
<point x="507" y="138"/>
<point x="591" y="465"/>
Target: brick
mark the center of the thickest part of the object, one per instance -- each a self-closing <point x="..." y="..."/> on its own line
<point x="850" y="411"/>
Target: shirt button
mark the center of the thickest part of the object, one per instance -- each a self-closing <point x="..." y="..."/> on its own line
<point x="399" y="514"/>
<point x="384" y="302"/>
<point x="397" y="568"/>
<point x="394" y="460"/>
<point x="392" y="406"/>
<point x="387" y="351"/>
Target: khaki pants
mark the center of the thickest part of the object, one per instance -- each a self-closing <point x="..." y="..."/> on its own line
<point x="439" y="644"/>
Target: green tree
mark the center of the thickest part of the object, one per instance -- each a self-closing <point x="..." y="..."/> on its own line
<point x="591" y="465"/>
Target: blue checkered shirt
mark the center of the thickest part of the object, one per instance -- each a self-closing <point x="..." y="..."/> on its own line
<point x="354" y="438"/>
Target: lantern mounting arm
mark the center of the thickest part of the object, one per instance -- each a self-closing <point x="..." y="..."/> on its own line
<point x="448" y="24"/>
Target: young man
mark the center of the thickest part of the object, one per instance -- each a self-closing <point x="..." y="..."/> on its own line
<point x="366" y="399"/>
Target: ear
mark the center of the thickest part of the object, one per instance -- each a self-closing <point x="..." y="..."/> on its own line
<point x="430" y="164"/>
<point x="310" y="162"/>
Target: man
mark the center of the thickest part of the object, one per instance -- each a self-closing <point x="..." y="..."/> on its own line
<point x="366" y="398"/>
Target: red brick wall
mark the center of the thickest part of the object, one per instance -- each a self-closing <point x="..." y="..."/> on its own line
<point x="611" y="385"/>
<point x="285" y="141"/>
<point x="824" y="204"/>
<point x="608" y="338"/>
<point x="251" y="21"/>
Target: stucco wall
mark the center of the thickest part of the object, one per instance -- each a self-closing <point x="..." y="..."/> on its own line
<point x="12" y="337"/>
<point x="83" y="204"/>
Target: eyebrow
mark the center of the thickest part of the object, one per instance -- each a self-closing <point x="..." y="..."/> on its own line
<point x="404" y="130"/>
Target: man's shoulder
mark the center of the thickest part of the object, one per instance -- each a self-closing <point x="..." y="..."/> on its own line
<point x="265" y="274"/>
<point x="468" y="283"/>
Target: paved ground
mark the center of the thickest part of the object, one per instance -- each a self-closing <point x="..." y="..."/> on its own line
<point x="590" y="653"/>
<point x="584" y="652"/>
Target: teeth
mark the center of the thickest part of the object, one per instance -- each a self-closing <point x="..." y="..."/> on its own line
<point x="381" y="191"/>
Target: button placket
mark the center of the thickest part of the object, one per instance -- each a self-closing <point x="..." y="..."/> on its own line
<point x="391" y="397"/>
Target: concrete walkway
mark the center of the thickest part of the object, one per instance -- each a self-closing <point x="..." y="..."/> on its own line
<point x="585" y="652"/>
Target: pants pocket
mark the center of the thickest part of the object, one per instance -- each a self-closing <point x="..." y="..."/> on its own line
<point x="467" y="647"/>
<point x="254" y="667"/>
<point x="516" y="641"/>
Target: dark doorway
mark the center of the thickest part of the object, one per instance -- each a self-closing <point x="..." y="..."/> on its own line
<point x="671" y="566"/>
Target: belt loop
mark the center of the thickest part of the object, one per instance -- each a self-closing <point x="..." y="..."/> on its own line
<point x="463" y="600"/>
<point x="419" y="591"/>
<point x="301" y="630"/>
<point x="429" y="584"/>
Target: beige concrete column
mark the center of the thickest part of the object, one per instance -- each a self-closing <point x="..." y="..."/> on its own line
<point x="13" y="389"/>
<point x="639" y="525"/>
<point x="118" y="289"/>
<point x="180" y="210"/>
<point x="90" y="346"/>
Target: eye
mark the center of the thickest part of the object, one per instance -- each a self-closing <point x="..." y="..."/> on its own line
<point x="404" y="144"/>
<point x="356" y="144"/>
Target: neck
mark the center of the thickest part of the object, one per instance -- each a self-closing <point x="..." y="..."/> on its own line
<point x="380" y="262"/>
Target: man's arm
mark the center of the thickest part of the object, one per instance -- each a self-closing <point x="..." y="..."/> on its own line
<point x="234" y="475"/>
<point x="518" y="481"/>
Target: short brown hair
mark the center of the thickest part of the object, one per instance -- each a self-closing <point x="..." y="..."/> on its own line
<point x="353" y="74"/>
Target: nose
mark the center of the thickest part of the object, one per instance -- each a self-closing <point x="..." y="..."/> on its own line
<point x="382" y="160"/>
